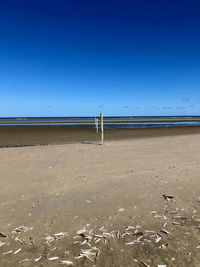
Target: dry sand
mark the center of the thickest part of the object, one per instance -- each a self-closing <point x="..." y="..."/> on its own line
<point x="66" y="188"/>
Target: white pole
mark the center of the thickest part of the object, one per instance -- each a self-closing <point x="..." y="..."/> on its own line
<point x="96" y="123"/>
<point x="102" y="135"/>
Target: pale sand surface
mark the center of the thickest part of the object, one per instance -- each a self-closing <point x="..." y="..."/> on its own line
<point x="62" y="188"/>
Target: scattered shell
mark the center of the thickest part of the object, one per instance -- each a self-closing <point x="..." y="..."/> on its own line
<point x="130" y="228"/>
<point x="121" y="209"/>
<point x="18" y="250"/>
<point x="125" y="234"/>
<point x="166" y="232"/>
<point x="164" y="246"/>
<point x="177" y="224"/>
<point x="59" y="234"/>
<point x="69" y="263"/>
<point x="97" y="241"/>
<point x="130" y="243"/>
<point x="148" y="231"/>
<point x="17" y="239"/>
<point x="142" y="241"/>
<point x="80" y="232"/>
<point x="89" y="254"/>
<point x="84" y="242"/>
<point x="145" y="264"/>
<point x="173" y="211"/>
<point x="100" y="236"/>
<point x="2" y="243"/>
<point x="38" y="259"/>
<point x="53" y="258"/>
<point x="180" y="217"/>
<point x="137" y="241"/>
<point x="21" y="229"/>
<point x="106" y="234"/>
<point x="23" y="260"/>
<point x="8" y="252"/>
<point x="158" y="238"/>
<point x="54" y="237"/>
<point x="2" y="235"/>
<point x="118" y="234"/>
<point x="168" y="197"/>
<point x="153" y="212"/>
<point x="163" y="217"/>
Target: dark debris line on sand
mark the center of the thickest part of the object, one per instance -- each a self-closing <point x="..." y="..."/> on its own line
<point x="89" y="243"/>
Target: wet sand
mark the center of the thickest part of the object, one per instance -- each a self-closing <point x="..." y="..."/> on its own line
<point x="104" y="189"/>
<point x="45" y="135"/>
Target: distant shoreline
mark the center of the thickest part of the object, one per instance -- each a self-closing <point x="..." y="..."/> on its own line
<point x="25" y="135"/>
<point x="58" y="120"/>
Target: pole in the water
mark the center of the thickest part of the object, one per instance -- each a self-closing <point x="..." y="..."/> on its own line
<point x="96" y="123"/>
<point x="102" y="137"/>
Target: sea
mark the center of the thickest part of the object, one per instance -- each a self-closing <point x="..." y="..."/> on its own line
<point x="110" y="122"/>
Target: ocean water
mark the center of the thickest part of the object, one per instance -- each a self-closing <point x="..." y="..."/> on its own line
<point x="192" y="121"/>
<point x="149" y="125"/>
<point x="92" y="117"/>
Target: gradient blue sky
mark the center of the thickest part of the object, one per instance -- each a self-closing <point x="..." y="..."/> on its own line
<point x="121" y="57"/>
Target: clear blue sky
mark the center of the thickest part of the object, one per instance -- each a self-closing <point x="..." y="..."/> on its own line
<point x="80" y="57"/>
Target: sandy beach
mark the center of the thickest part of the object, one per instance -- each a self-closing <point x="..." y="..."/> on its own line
<point x="131" y="202"/>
